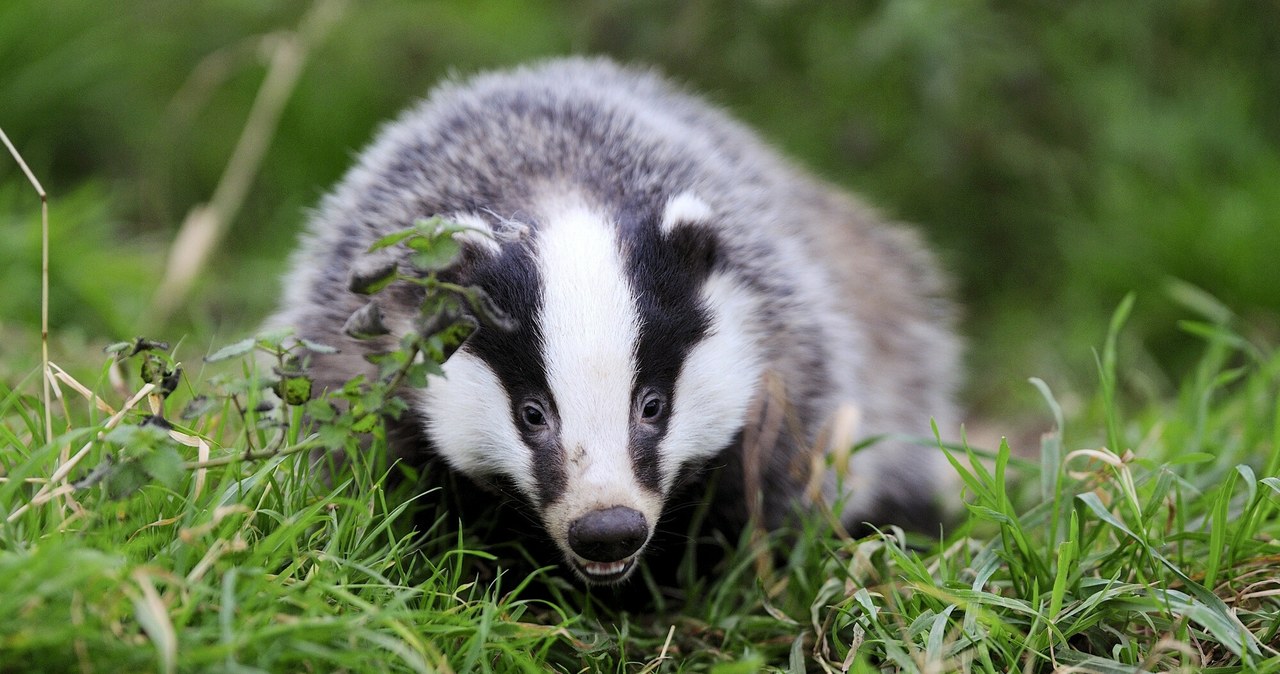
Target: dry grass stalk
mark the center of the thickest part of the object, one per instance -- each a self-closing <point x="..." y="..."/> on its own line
<point x="44" y="285"/>
<point x="64" y="469"/>
<point x="153" y="615"/>
<point x="662" y="656"/>
<point x="768" y="412"/>
<point x="834" y="447"/>
<point x="60" y="375"/>
<point x="206" y="224"/>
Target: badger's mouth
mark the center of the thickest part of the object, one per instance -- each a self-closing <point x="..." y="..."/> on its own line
<point x="602" y="545"/>
<point x="604" y="573"/>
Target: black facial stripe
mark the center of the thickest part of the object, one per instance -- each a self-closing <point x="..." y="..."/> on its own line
<point x="512" y="280"/>
<point x="666" y="274"/>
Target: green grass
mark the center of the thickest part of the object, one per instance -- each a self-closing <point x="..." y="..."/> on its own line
<point x="1060" y="155"/>
<point x="1148" y="543"/>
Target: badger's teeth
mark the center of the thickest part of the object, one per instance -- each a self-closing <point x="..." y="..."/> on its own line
<point x="602" y="569"/>
<point x="605" y="568"/>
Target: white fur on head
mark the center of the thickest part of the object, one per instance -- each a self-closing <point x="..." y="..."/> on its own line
<point x="478" y="233"/>
<point x="685" y="208"/>
<point x="468" y="410"/>
<point x="717" y="383"/>
<point x="590" y="326"/>
<point x="468" y="417"/>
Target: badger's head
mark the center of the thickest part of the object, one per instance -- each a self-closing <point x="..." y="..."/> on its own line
<point x="632" y="363"/>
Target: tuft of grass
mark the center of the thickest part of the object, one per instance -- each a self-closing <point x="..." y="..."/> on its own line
<point x="1154" y="549"/>
<point x="243" y="566"/>
<point x="1154" y="552"/>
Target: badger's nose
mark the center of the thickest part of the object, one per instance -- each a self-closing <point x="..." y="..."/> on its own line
<point x="608" y="535"/>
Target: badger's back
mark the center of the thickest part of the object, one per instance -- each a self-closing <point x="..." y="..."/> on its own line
<point x="810" y="308"/>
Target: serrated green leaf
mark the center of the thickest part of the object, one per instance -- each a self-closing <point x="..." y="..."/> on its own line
<point x="487" y="311"/>
<point x="125" y="478"/>
<point x="317" y="347"/>
<point x="333" y="436"/>
<point x="137" y="440"/>
<point x="394" y="407"/>
<point x="366" y="323"/>
<point x="370" y="276"/>
<point x="321" y="410"/>
<point x="392" y="239"/>
<point x="380" y="358"/>
<point x="230" y="351"/>
<point x="275" y="337"/>
<point x="142" y="344"/>
<point x="433" y="368"/>
<point x="365" y="424"/>
<point x="431" y="225"/>
<point x="118" y="347"/>
<point x="198" y="407"/>
<point x="164" y="465"/>
<point x="435" y="255"/>
<point x="416" y="376"/>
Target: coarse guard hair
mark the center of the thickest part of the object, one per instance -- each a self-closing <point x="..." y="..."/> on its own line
<point x="687" y="303"/>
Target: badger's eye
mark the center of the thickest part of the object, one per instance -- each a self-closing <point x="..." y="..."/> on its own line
<point x="532" y="415"/>
<point x="653" y="406"/>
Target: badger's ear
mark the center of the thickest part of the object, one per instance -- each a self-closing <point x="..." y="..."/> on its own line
<point x="482" y="242"/>
<point x="687" y="227"/>
<point x="685" y="209"/>
<point x="478" y="238"/>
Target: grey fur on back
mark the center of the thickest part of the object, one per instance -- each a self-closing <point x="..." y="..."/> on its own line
<point x="851" y="309"/>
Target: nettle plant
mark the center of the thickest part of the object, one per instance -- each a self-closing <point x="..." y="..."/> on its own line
<point x="340" y="420"/>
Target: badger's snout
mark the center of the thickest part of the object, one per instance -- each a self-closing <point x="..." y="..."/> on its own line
<point x="606" y="542"/>
<point x="608" y="535"/>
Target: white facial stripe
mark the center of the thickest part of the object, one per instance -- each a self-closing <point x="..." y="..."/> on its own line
<point x="590" y="327"/>
<point x="684" y="208"/>
<point x="469" y="421"/>
<point x="717" y="383"/>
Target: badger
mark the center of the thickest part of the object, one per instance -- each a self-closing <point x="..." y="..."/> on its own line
<point x="686" y="303"/>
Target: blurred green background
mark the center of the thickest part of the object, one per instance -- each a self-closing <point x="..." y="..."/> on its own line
<point x="1059" y="154"/>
